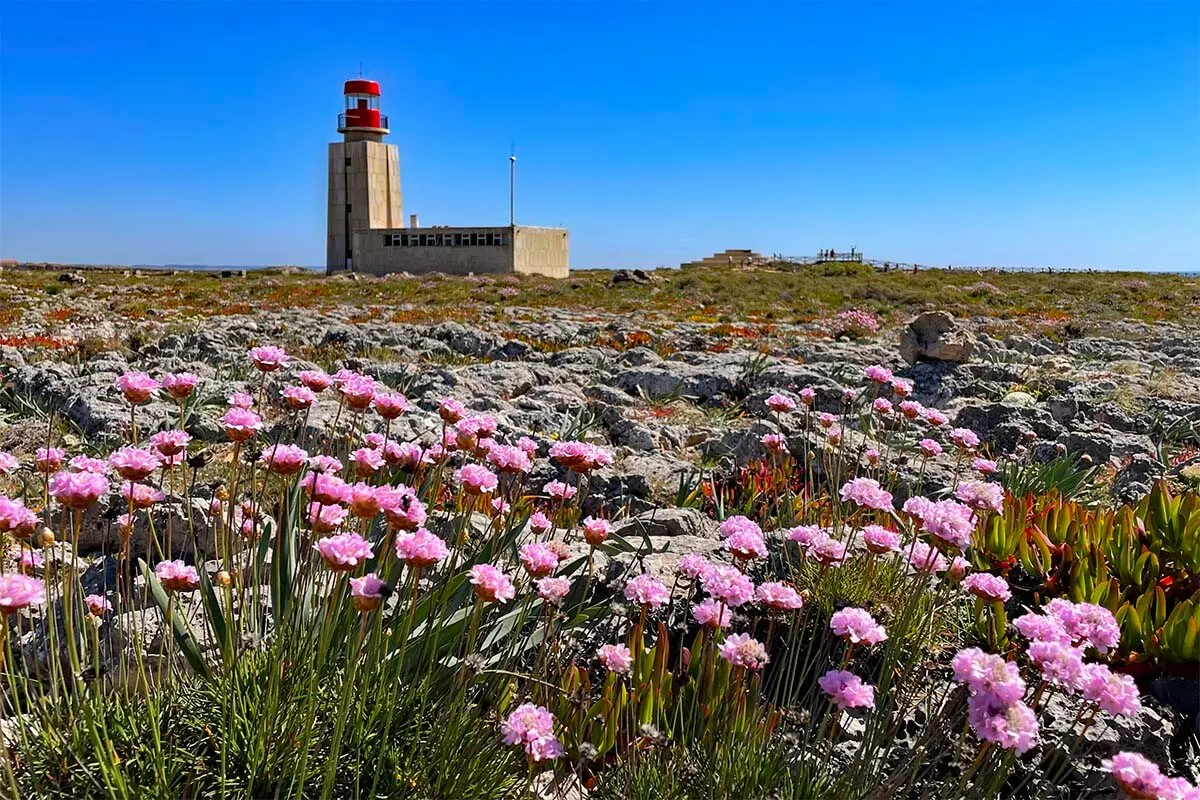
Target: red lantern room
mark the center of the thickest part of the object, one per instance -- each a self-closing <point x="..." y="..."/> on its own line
<point x="362" y="108"/>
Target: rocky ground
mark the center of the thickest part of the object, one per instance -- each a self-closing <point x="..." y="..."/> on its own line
<point x="674" y="399"/>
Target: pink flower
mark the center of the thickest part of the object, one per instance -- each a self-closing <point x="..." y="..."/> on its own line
<point x="326" y="518"/>
<point x="579" y="456"/>
<point x="98" y="466"/>
<point x="241" y="400"/>
<point x="28" y="561"/>
<point x="902" y="387"/>
<point x="139" y="495"/>
<point x="475" y="479"/>
<point x="420" y="549"/>
<point x="48" y="459"/>
<point x="176" y="576"/>
<point x="298" y="398"/>
<point x="508" y="459"/>
<point x="879" y="539"/>
<point x="78" y="490"/>
<point x="553" y="590"/>
<point x="1060" y="664"/>
<point x="826" y="420"/>
<point x="727" y="584"/>
<point x="981" y="495"/>
<point x="878" y="373"/>
<point x="268" y="358"/>
<point x="857" y="626"/>
<point x="343" y="552"/>
<point x="284" y="459"/>
<point x="363" y="500"/>
<point x="538" y="559"/>
<point x="847" y="690"/>
<point x="949" y="522"/>
<point x="929" y="448"/>
<point x="97" y="605"/>
<point x="778" y="596"/>
<point x="401" y="507"/>
<point x="826" y="550"/>
<point x="692" y="565"/>
<point x="451" y="410"/>
<point x="986" y="586"/>
<point x="560" y="490"/>
<point x="712" y="614"/>
<point x="1117" y="694"/>
<point x="867" y="492"/>
<point x="532" y="727"/>
<point x="911" y="409"/>
<point x="539" y="523"/>
<point x="325" y="488"/>
<point x="965" y="438"/>
<point x="390" y="405"/>
<point x="742" y="651"/>
<point x="958" y="568"/>
<point x="881" y="406"/>
<point x="1137" y="776"/>
<point x="241" y="424"/>
<point x="1041" y="628"/>
<point x="16" y="519"/>
<point x="935" y="418"/>
<point x="984" y="466"/>
<point x="170" y="443"/>
<point x="738" y="524"/>
<point x="358" y="391"/>
<point x="596" y="530"/>
<point x="366" y="461"/>
<point x="315" y="379"/>
<point x="491" y="584"/>
<point x="324" y="464"/>
<point x="8" y="463"/>
<point x="137" y="387"/>
<point x="808" y="395"/>
<point x="1012" y="725"/>
<point x="1086" y="623"/>
<point x="924" y="558"/>
<point x="20" y="591"/>
<point x="805" y="535"/>
<point x="646" y="590"/>
<point x="615" y="658"/>
<point x="746" y="545"/>
<point x="134" y="463"/>
<point x="180" y="385"/>
<point x="988" y="674"/>
<point x="780" y="403"/>
<point x="774" y="442"/>
<point x="367" y="592"/>
<point x="872" y="455"/>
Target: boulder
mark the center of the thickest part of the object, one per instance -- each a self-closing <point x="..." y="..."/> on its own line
<point x="935" y="336"/>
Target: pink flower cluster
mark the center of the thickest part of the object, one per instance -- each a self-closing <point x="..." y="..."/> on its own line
<point x="343" y="552"/>
<point x="176" y="576"/>
<point x="847" y="690"/>
<point x="491" y="584"/>
<point x="648" y="591"/>
<point x="420" y="549"/>
<point x="741" y="650"/>
<point x="579" y="456"/>
<point x="995" y="709"/>
<point x="20" y="591"/>
<point x="867" y="492"/>
<point x="532" y="727"/>
<point x="988" y="587"/>
<point x="727" y="584"/>
<point x="1141" y="779"/>
<point x="615" y="658"/>
<point x="857" y="626"/>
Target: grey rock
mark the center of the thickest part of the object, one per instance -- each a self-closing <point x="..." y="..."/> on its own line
<point x="935" y="336"/>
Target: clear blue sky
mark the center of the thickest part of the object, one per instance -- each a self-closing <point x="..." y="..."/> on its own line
<point x="1013" y="133"/>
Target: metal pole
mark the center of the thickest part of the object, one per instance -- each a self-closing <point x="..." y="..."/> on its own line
<point x="512" y="189"/>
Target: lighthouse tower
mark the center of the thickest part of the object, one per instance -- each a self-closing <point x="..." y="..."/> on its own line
<point x="364" y="175"/>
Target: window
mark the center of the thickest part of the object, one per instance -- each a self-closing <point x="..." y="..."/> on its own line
<point x="458" y="240"/>
<point x="387" y="240"/>
<point x="347" y="161"/>
<point x="347" y="208"/>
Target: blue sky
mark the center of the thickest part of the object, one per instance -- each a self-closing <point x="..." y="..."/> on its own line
<point x="1011" y="133"/>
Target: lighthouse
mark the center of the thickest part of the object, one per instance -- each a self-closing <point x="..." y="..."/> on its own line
<point x="364" y="175"/>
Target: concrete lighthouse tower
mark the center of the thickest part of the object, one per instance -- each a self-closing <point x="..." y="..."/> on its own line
<point x="364" y="175"/>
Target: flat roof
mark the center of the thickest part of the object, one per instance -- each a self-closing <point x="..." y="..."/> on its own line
<point x="456" y="228"/>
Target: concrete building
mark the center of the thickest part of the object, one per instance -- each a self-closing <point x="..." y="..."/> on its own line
<point x="366" y="231"/>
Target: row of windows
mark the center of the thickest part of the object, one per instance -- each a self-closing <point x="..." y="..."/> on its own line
<point x="445" y="239"/>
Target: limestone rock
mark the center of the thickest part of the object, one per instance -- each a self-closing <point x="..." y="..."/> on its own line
<point x="935" y="336"/>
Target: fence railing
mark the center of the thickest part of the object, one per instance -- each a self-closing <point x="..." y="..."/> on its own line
<point x="887" y="266"/>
